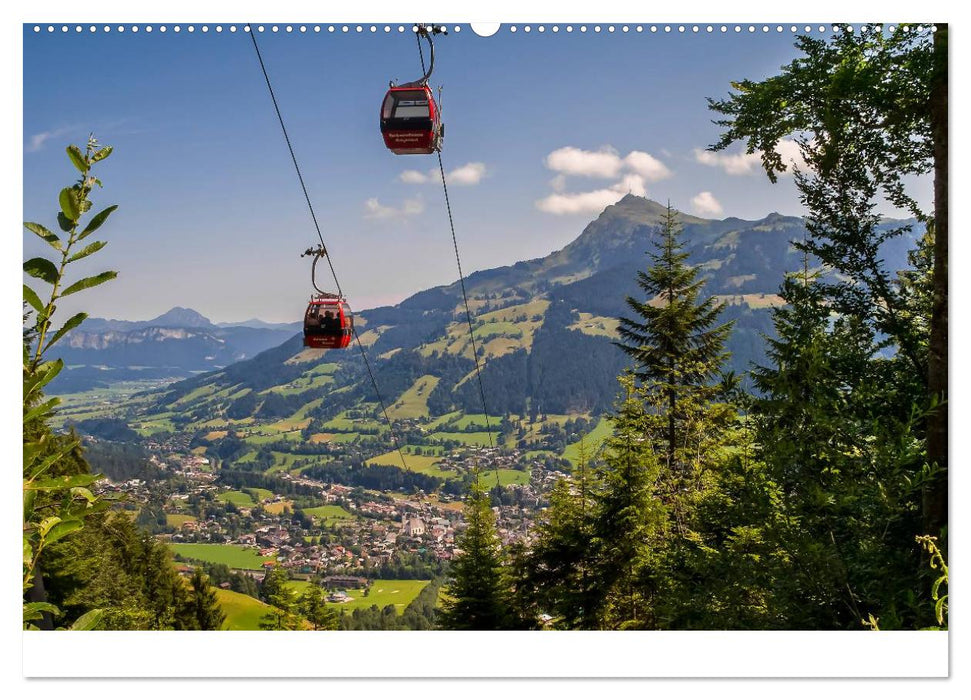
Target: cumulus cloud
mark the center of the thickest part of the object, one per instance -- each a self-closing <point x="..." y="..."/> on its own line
<point x="705" y="204"/>
<point x="373" y="209"/>
<point x="468" y="174"/>
<point x="568" y="160"/>
<point x="631" y="173"/>
<point x="749" y="163"/>
<point x="646" y="165"/>
<point x="592" y="202"/>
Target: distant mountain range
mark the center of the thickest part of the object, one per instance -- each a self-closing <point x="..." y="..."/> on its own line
<point x="544" y="329"/>
<point x="178" y="344"/>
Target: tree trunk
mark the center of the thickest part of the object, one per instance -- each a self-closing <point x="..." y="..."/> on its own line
<point x="935" y="493"/>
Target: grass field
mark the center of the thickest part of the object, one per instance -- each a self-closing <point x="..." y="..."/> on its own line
<point x="237" y="498"/>
<point x="243" y="612"/>
<point x="506" y="477"/>
<point x="178" y="520"/>
<point x="466" y="438"/>
<point x="423" y="464"/>
<point x="413" y="403"/>
<point x="398" y="593"/>
<point x="329" y="514"/>
<point x="592" y="442"/>
<point x="232" y="555"/>
<point x="277" y="508"/>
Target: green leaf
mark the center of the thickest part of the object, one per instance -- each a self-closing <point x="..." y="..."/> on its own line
<point x="96" y="222"/>
<point x="45" y="525"/>
<point x="101" y="154"/>
<point x="28" y="552"/>
<point x="33" y="611"/>
<point x="70" y="324"/>
<point x="70" y="203"/>
<point x="62" y="530"/>
<point x="42" y="410"/>
<point x="65" y="223"/>
<point x="81" y="492"/>
<point x="44" y="373"/>
<point x="90" y="620"/>
<point x="88" y="282"/>
<point x="42" y="269"/>
<point x="44" y="233"/>
<point x="74" y="153"/>
<point x="30" y="296"/>
<point x="93" y="248"/>
<point x="63" y="482"/>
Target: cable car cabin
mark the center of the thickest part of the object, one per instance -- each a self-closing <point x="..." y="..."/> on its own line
<point x="410" y="121"/>
<point x="327" y="324"/>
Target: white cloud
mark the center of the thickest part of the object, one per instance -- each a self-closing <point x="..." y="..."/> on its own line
<point x="749" y="163"/>
<point x="579" y="202"/>
<point x="37" y="141"/>
<point x="731" y="163"/>
<point x="413" y="177"/>
<point x="468" y="174"/>
<point x="575" y="161"/>
<point x="647" y="165"/>
<point x="705" y="204"/>
<point x="631" y="174"/>
<point x="375" y="210"/>
<point x="592" y="202"/>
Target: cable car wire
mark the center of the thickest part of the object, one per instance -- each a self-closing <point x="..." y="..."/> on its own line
<point x="333" y="272"/>
<point x="465" y="297"/>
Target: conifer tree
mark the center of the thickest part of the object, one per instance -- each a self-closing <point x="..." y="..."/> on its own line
<point x="678" y="348"/>
<point x="476" y="594"/>
<point x="313" y="606"/>
<point x="627" y="517"/>
<point x="276" y="593"/>
<point x="558" y="574"/>
<point x="208" y="614"/>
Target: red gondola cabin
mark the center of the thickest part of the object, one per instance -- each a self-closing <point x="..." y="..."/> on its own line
<point x="410" y="121"/>
<point x="328" y="323"/>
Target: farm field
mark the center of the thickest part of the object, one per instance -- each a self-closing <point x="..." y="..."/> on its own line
<point x="424" y="464"/>
<point x="506" y="477"/>
<point x="232" y="555"/>
<point x="178" y="520"/>
<point x="243" y="612"/>
<point x="329" y="514"/>
<point x="384" y="592"/>
<point x="237" y="498"/>
<point x="592" y="442"/>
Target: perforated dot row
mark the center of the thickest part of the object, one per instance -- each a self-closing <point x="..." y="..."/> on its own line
<point x="723" y="28"/>
<point x="374" y="29"/>
<point x="288" y="28"/>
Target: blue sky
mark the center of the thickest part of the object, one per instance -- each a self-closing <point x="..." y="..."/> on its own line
<point x="542" y="131"/>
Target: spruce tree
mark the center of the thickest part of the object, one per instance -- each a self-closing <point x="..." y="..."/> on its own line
<point x="627" y="517"/>
<point x="678" y="348"/>
<point x="205" y="604"/>
<point x="558" y="574"/>
<point x="476" y="593"/>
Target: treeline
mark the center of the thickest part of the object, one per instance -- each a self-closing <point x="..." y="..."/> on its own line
<point x="420" y="614"/>
<point x="814" y="502"/>
<point x="379" y="477"/>
<point x="120" y="461"/>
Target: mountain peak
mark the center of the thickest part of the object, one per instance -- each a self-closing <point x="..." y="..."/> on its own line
<point x="182" y="318"/>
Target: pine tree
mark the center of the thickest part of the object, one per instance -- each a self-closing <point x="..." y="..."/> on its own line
<point x="678" y="348"/>
<point x="627" y="517"/>
<point x="476" y="595"/>
<point x="275" y="592"/>
<point x="205" y="604"/>
<point x="314" y="608"/>
<point x="557" y="575"/>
